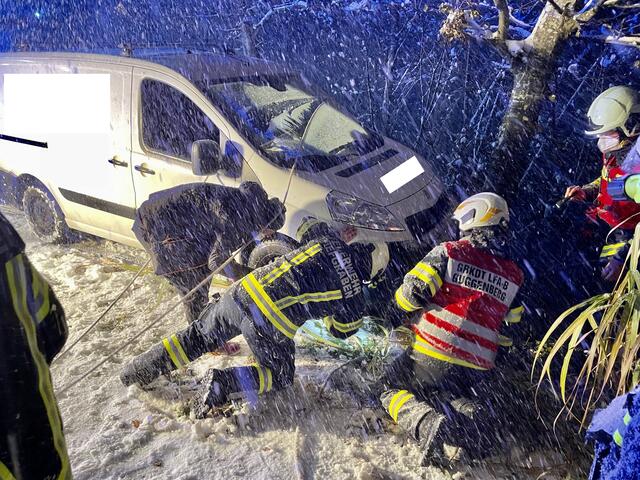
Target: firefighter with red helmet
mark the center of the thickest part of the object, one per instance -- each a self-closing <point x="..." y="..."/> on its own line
<point x="456" y="300"/>
<point x="613" y="116"/>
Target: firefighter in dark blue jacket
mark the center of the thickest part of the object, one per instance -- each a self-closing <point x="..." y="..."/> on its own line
<point x="32" y="331"/>
<point x="323" y="278"/>
<point x="190" y="229"/>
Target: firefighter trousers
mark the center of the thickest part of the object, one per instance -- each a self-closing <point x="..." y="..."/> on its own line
<point x="416" y="391"/>
<point x="32" y="443"/>
<point x="220" y="322"/>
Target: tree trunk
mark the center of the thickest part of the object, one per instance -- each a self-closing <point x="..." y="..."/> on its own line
<point x="510" y="159"/>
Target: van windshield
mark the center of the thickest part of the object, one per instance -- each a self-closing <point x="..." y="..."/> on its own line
<point x="287" y="123"/>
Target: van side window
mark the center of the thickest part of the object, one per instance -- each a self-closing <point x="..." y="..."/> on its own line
<point x="171" y="122"/>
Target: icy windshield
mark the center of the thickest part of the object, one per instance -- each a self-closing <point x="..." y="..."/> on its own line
<point x="286" y="122"/>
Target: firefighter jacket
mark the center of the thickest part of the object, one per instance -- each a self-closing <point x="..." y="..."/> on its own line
<point x="322" y="279"/>
<point x="465" y="292"/>
<point x="615" y="433"/>
<point x="32" y="331"/>
<point x="201" y="224"/>
<point x="613" y="212"/>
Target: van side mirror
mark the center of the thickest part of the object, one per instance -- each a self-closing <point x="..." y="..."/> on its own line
<point x="205" y="157"/>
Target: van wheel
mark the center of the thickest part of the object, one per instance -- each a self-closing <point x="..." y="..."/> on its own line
<point x="270" y="249"/>
<point x="44" y="216"/>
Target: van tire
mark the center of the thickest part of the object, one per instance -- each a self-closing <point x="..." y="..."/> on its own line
<point x="270" y="249"/>
<point x="45" y="216"/>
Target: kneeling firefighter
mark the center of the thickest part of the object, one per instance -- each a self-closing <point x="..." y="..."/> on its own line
<point x="456" y="299"/>
<point x="33" y="330"/>
<point x="190" y="229"/>
<point x="322" y="279"/>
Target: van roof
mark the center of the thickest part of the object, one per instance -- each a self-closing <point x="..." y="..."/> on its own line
<point x="193" y="65"/>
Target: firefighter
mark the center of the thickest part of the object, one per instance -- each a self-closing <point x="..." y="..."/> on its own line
<point x="455" y="301"/>
<point x="615" y="433"/>
<point x="613" y="116"/>
<point x="33" y="330"/>
<point x="190" y="229"/>
<point x="321" y="279"/>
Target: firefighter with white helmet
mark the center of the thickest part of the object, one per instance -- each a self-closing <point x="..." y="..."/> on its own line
<point x="454" y="302"/>
<point x="614" y="121"/>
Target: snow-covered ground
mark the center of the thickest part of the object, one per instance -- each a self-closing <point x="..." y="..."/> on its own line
<point x="115" y="432"/>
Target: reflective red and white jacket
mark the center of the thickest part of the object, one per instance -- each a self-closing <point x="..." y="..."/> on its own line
<point x="465" y="292"/>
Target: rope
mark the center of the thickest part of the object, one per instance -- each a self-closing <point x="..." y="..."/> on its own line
<point x="160" y="317"/>
<point x="97" y="320"/>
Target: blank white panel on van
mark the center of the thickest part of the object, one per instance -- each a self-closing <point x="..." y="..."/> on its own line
<point x="56" y="103"/>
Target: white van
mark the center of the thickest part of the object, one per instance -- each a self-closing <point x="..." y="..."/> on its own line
<point x="85" y="139"/>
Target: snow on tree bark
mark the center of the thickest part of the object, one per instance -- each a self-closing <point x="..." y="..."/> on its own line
<point x="533" y="66"/>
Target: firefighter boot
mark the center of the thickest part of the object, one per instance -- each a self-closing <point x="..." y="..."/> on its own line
<point x="213" y="392"/>
<point x="145" y="368"/>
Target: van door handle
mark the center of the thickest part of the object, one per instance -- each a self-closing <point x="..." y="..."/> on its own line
<point x="117" y="163"/>
<point x="144" y="170"/>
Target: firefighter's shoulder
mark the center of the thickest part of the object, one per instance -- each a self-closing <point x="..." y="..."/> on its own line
<point x="10" y="242"/>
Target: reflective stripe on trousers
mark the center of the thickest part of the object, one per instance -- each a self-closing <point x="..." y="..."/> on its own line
<point x="397" y="401"/>
<point x="176" y="352"/>
<point x="265" y="379"/>
<point x="17" y="277"/>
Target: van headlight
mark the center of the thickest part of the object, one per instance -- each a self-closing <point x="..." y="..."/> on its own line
<point x="353" y="211"/>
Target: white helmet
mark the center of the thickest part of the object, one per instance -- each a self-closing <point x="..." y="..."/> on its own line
<point x="611" y="110"/>
<point x="484" y="209"/>
<point x="379" y="259"/>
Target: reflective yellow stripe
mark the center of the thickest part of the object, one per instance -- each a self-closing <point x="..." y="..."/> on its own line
<point x="265" y="379"/>
<point x="612" y="249"/>
<point x="167" y="347"/>
<point x="514" y="315"/>
<point x="5" y="474"/>
<point x="269" y="379"/>
<point x="399" y="405"/>
<point x="394" y="399"/>
<point x="347" y="327"/>
<point x="276" y="273"/>
<point x="504" y="341"/>
<point x="260" y="379"/>
<point x="425" y="267"/>
<point x="286" y="266"/>
<point x="40" y="290"/>
<point x="404" y="303"/>
<point x="424" y="348"/>
<point x="627" y="419"/>
<point x="178" y="346"/>
<point x="315" y="297"/>
<point x="267" y="307"/>
<point x="617" y="437"/>
<point x="428" y="275"/>
<point x="16" y="274"/>
<point x="307" y="254"/>
<point x="397" y="401"/>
